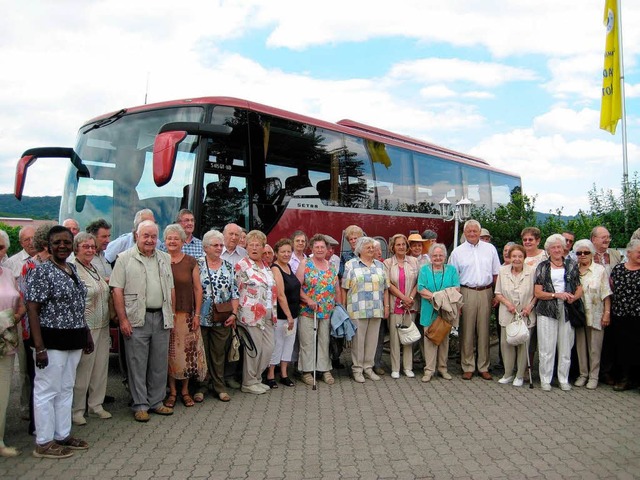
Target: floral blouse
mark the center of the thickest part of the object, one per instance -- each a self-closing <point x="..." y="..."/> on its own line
<point x="626" y="291"/>
<point x="319" y="286"/>
<point x="595" y="287"/>
<point x="258" y="294"/>
<point x="223" y="289"/>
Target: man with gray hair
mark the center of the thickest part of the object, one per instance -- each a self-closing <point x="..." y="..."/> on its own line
<point x="16" y="261"/>
<point x="478" y="265"/>
<point x="143" y="275"/>
<point x="126" y="241"/>
<point x="72" y="225"/>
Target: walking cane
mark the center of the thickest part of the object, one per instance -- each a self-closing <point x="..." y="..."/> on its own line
<point x="315" y="346"/>
<point x="529" y="364"/>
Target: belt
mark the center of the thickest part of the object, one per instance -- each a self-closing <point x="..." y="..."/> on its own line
<point x="154" y="310"/>
<point x="479" y="289"/>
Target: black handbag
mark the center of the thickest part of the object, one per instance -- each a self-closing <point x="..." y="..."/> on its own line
<point x="574" y="313"/>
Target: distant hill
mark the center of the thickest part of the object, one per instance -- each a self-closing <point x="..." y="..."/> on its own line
<point x="40" y="208"/>
<point x="541" y="217"/>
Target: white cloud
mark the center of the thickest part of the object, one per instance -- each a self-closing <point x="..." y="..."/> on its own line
<point x="566" y="120"/>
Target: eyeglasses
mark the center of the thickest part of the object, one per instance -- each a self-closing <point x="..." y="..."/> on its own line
<point x="580" y="254"/>
<point x="88" y="247"/>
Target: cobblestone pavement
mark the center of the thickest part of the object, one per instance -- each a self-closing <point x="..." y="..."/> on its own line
<point x="387" y="429"/>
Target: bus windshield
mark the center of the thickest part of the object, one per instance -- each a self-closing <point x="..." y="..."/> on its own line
<point x="119" y="157"/>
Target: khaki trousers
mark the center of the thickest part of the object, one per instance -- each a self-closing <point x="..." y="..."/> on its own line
<point x="253" y="367"/>
<point x="512" y="352"/>
<point x="6" y="371"/>
<point x="92" y="373"/>
<point x="365" y="341"/>
<point x="474" y="326"/>
<point x="435" y="356"/>
<point x="589" y="349"/>
<point x="305" y="339"/>
<point x="394" y="343"/>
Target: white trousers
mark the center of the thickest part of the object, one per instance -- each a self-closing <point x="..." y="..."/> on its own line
<point x="554" y="334"/>
<point x="283" y="348"/>
<point x="92" y="374"/>
<point x="53" y="395"/>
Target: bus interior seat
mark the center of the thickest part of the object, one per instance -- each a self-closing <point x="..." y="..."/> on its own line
<point x="324" y="190"/>
<point x="295" y="183"/>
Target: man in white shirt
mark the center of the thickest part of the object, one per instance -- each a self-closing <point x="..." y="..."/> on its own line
<point x="232" y="252"/>
<point x="16" y="261"/>
<point x="478" y="264"/>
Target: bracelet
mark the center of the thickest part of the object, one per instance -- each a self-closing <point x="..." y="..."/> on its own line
<point x="38" y="352"/>
<point x="197" y="315"/>
<point x="234" y="314"/>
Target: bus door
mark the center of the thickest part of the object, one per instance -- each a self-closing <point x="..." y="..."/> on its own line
<point x="225" y="187"/>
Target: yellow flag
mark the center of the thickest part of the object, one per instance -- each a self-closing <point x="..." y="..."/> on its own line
<point x="378" y="152"/>
<point x="611" y="109"/>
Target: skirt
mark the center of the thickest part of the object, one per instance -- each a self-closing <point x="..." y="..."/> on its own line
<point x="186" y="350"/>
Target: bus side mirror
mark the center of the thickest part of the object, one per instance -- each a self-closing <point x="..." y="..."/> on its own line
<point x="31" y="155"/>
<point x="165" y="146"/>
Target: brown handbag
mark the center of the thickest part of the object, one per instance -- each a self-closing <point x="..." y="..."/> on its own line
<point x="438" y="330"/>
<point x="222" y="311"/>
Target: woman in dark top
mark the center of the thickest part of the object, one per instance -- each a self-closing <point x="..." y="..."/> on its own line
<point x="55" y="302"/>
<point x="288" y="308"/>
<point x="625" y="310"/>
<point x="186" y="350"/>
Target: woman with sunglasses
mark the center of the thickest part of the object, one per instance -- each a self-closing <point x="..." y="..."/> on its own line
<point x="597" y="306"/>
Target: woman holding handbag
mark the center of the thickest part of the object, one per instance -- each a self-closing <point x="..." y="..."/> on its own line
<point x="402" y="271"/>
<point x="432" y="278"/>
<point x="514" y="291"/>
<point x="218" y="286"/>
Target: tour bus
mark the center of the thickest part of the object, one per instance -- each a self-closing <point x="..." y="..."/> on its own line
<point x="232" y="160"/>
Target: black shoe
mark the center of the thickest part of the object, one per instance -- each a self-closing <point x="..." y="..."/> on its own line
<point x="337" y="364"/>
<point x="271" y="383"/>
<point x="287" y="382"/>
<point x="109" y="399"/>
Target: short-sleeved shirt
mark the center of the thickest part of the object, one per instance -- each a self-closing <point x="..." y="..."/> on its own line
<point x="218" y="286"/>
<point x="626" y="291"/>
<point x="434" y="281"/>
<point x="183" y="283"/>
<point x="62" y="299"/>
<point x="365" y="287"/>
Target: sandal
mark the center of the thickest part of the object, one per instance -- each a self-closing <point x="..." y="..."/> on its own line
<point x="52" y="450"/>
<point x="73" y="443"/>
<point x="187" y="400"/>
<point x="170" y="401"/>
<point x="224" y="397"/>
<point x="271" y="383"/>
<point x="198" y="397"/>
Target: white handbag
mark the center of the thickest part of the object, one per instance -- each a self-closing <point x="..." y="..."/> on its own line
<point x="517" y="331"/>
<point x="408" y="334"/>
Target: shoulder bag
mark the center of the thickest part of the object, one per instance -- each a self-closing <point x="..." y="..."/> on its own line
<point x="438" y="330"/>
<point x="574" y="313"/>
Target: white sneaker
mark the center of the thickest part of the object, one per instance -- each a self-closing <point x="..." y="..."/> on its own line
<point x="264" y="387"/>
<point x="565" y="387"/>
<point x="546" y="387"/>
<point x="254" y="389"/>
<point x="592" y="384"/>
<point x="518" y="382"/>
<point x="409" y="373"/>
<point x="78" y="419"/>
<point x="395" y="374"/>
<point x="358" y="377"/>
<point x="505" y="380"/>
<point x="372" y="375"/>
<point x="581" y="381"/>
<point x="446" y="375"/>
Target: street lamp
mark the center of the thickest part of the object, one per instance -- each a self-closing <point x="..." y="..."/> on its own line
<point x="460" y="213"/>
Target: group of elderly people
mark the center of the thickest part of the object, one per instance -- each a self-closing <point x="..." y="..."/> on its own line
<point x="180" y="326"/>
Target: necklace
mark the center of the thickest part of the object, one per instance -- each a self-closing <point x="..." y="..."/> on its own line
<point x="177" y="259"/>
<point x="91" y="270"/>
<point x="556" y="265"/>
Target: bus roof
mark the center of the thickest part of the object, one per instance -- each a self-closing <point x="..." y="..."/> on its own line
<point x="349" y="127"/>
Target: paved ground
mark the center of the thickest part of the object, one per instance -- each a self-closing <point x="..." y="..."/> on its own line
<point x="387" y="429"/>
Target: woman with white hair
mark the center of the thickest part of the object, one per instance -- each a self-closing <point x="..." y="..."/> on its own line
<point x="597" y="306"/>
<point x="365" y="287"/>
<point x="557" y="282"/>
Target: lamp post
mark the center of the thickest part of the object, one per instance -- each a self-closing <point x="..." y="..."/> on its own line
<point x="461" y="211"/>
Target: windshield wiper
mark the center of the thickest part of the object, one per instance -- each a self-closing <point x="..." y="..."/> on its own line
<point x="106" y="121"/>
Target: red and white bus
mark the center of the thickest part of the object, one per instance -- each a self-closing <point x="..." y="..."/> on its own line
<point x="231" y="160"/>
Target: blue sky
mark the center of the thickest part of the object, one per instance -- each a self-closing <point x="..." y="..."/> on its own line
<point x="516" y="82"/>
